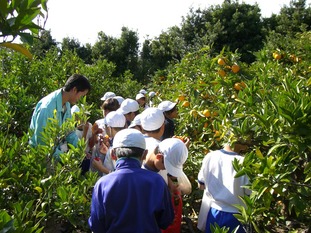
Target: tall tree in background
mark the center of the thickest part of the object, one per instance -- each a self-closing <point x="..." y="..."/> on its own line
<point x="123" y="52"/>
<point x="126" y="56"/>
<point x="43" y="43"/>
<point x="84" y="52"/>
<point x="293" y="18"/>
<point x="234" y="25"/>
<point x="145" y="62"/>
<point x="103" y="47"/>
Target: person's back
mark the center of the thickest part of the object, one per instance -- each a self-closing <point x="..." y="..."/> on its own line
<point x="222" y="190"/>
<point x="220" y="181"/>
<point x="134" y="200"/>
<point x="131" y="199"/>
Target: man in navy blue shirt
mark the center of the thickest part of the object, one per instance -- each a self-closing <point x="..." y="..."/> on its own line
<point x="131" y="199"/>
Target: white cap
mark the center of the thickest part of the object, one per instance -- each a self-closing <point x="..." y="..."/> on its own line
<point x="107" y="95"/>
<point x="129" y="138"/>
<point x="135" y="121"/>
<point x="115" y="119"/>
<point x="143" y="91"/>
<point x="152" y="119"/>
<point x="74" y="109"/>
<point x="166" y="105"/>
<point x="151" y="93"/>
<point x="119" y="98"/>
<point x="175" y="155"/>
<point x="139" y="95"/>
<point x="128" y="105"/>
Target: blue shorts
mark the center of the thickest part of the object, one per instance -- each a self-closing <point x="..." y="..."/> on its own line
<point x="223" y="219"/>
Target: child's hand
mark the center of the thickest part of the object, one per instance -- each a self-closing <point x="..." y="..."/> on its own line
<point x="97" y="163"/>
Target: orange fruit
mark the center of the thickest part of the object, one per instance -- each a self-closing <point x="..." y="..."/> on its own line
<point x="277" y="56"/>
<point x="205" y="125"/>
<point x="222" y="73"/>
<point x="221" y="61"/>
<point x="292" y="57"/>
<point x="181" y="98"/>
<point x="217" y="136"/>
<point x="235" y="68"/>
<point x="206" y="113"/>
<point x="186" y="104"/>
<point x="238" y="86"/>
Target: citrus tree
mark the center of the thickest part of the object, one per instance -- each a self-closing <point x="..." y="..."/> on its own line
<point x="266" y="107"/>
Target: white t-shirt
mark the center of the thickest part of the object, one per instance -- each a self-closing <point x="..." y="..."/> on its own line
<point x="217" y="174"/>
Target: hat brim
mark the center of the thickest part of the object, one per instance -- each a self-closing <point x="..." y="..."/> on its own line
<point x="122" y="111"/>
<point x="173" y="105"/>
<point x="172" y="170"/>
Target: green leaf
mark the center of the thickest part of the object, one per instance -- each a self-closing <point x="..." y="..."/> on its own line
<point x="3" y="8"/>
<point x="262" y="119"/>
<point x="28" y="17"/>
<point x="44" y="4"/>
<point x="275" y="147"/>
<point x="39" y="189"/>
<point x="26" y="38"/>
<point x="2" y="171"/>
<point x="18" y="48"/>
<point x="259" y="154"/>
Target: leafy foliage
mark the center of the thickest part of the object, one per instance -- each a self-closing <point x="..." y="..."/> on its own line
<point x="264" y="106"/>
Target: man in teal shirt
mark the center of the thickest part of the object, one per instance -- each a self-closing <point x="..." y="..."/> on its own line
<point x="60" y="101"/>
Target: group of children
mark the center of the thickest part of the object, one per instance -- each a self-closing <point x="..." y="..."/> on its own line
<point x="165" y="154"/>
<point x="128" y="147"/>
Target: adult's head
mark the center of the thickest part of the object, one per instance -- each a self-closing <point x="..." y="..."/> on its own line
<point x="169" y="109"/>
<point x="129" y="143"/>
<point x="109" y="105"/>
<point x="76" y="87"/>
<point x="152" y="122"/>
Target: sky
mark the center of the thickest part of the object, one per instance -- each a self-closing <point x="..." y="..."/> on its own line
<point x="83" y="19"/>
